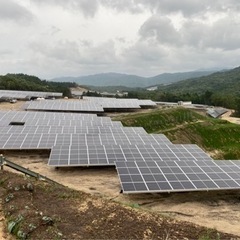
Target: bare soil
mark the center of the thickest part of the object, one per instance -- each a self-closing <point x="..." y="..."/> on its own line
<point x="219" y="210"/>
<point x="100" y="209"/>
<point x="227" y="116"/>
<point x="40" y="210"/>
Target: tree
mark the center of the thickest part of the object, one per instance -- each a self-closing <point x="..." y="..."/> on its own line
<point x="237" y="108"/>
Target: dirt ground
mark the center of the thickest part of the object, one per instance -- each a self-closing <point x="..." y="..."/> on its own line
<point x="216" y="209"/>
<point x="227" y="116"/>
<point x="42" y="210"/>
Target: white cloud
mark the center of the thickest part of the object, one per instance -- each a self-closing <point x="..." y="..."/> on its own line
<point x="10" y="10"/>
<point x="51" y="38"/>
<point x="88" y="8"/>
<point x="161" y="29"/>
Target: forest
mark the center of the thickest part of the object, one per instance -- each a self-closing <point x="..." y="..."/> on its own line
<point x="218" y="89"/>
<point x="32" y="83"/>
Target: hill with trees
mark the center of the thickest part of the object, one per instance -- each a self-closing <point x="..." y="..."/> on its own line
<point x="220" y="82"/>
<point x="217" y="89"/>
<point x="32" y="83"/>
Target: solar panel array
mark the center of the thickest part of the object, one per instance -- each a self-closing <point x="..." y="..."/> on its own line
<point x="64" y="105"/>
<point x="29" y="130"/>
<point x="89" y="104"/>
<point x="10" y="94"/>
<point x="173" y="176"/>
<point x="109" y="154"/>
<point x="120" y="102"/>
<point x="144" y="162"/>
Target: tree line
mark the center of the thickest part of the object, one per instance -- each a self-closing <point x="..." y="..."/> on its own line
<point x="210" y="98"/>
<point x="26" y="82"/>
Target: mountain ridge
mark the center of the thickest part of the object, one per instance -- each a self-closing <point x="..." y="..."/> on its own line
<point x="130" y="80"/>
<point x="220" y="82"/>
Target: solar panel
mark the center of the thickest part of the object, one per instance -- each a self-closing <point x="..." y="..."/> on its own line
<point x="50" y="119"/>
<point x="3" y="139"/>
<point x="114" y="129"/>
<point x="63" y="105"/>
<point x="14" y="141"/>
<point x="89" y="104"/>
<point x="120" y="103"/>
<point x="145" y="162"/>
<point x="27" y="94"/>
<point x="146" y="103"/>
<point x="128" y="153"/>
<point x="27" y="141"/>
<point x="119" y="138"/>
<point x="172" y="176"/>
<point x="216" y="112"/>
<point x="27" y="116"/>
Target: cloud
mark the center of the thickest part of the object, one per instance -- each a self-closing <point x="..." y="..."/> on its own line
<point x="88" y="8"/>
<point x="221" y="34"/>
<point x="79" y="37"/>
<point x="10" y="10"/>
<point x="144" y="52"/>
<point x="161" y="29"/>
<point x="76" y="52"/>
<point x="124" y="5"/>
<point x="189" y="8"/>
<point x="193" y="33"/>
<point x="186" y="7"/>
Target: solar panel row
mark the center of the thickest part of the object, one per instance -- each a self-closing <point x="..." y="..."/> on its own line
<point x="109" y="102"/>
<point x="64" y="105"/>
<point x="114" y="128"/>
<point x="173" y="176"/>
<point x="26" y="116"/>
<point x="8" y="94"/>
<point x="96" y="154"/>
<point x="89" y="104"/>
<point x="47" y="140"/>
<point x="51" y="119"/>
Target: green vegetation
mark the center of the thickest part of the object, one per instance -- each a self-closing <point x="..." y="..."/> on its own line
<point x="160" y="120"/>
<point x="207" y="236"/>
<point x="218" y="89"/>
<point x="186" y="126"/>
<point x="32" y="83"/>
<point x="219" y="82"/>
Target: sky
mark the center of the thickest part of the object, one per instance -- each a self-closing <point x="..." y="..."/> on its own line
<point x="55" y="38"/>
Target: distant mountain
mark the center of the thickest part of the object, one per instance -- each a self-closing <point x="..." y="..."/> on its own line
<point x="107" y="79"/>
<point x="220" y="82"/>
<point x="134" y="81"/>
<point x="169" y="78"/>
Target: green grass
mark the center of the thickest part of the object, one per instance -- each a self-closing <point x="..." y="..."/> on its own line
<point x="218" y="136"/>
<point x="207" y="236"/>
<point x="157" y="121"/>
<point x="186" y="126"/>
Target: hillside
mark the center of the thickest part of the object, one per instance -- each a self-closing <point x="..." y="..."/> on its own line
<point x="220" y="82"/>
<point x="133" y="81"/>
<point x="32" y="83"/>
<point x="36" y="209"/>
<point x="218" y="137"/>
